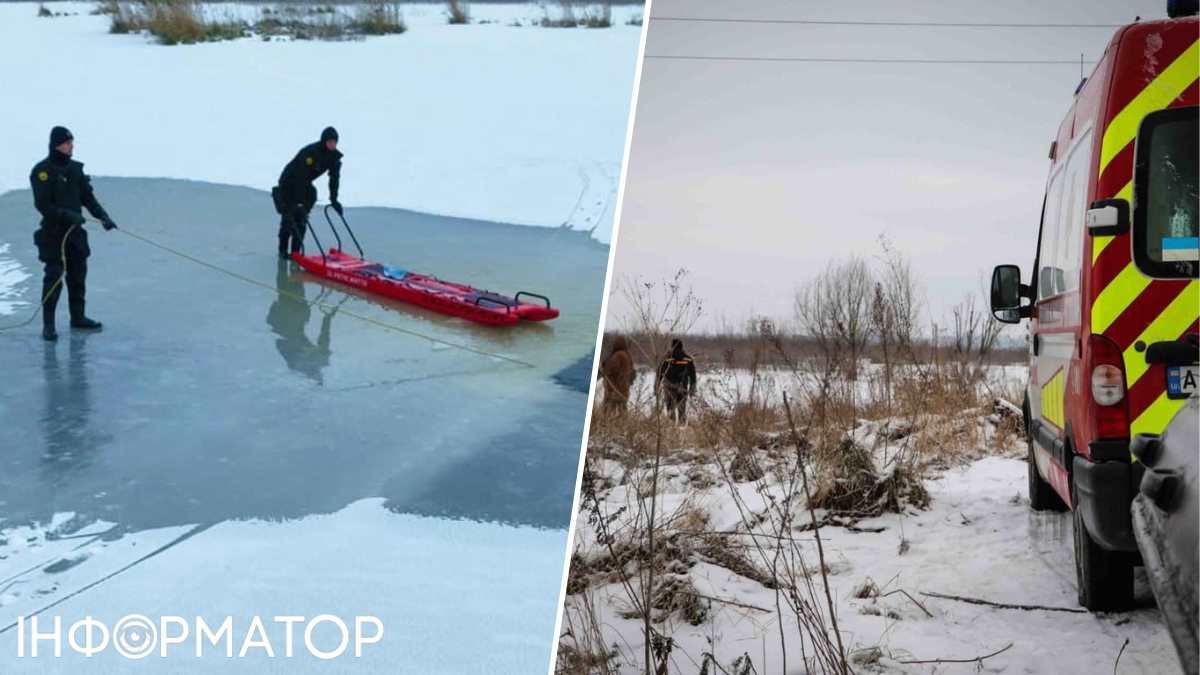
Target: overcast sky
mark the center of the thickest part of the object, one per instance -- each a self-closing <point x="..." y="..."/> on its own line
<point x="753" y="175"/>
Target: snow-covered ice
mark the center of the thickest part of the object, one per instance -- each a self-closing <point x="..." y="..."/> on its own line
<point x="334" y="564"/>
<point x="520" y="125"/>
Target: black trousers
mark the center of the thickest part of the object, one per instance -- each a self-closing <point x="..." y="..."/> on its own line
<point x="675" y="399"/>
<point x="294" y="203"/>
<point x="50" y="252"/>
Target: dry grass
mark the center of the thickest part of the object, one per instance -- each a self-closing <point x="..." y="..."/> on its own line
<point x="597" y="17"/>
<point x="846" y="442"/>
<point x="186" y="21"/>
<point x="458" y="12"/>
<point x="378" y="17"/>
<point x="171" y="22"/>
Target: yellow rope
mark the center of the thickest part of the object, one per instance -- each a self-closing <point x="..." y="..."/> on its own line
<point x="326" y="305"/>
<point x="295" y="296"/>
<point x="63" y="275"/>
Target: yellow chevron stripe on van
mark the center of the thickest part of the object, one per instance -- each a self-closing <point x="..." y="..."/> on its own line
<point x="1168" y="325"/>
<point x="1155" y="418"/>
<point x="1169" y="84"/>
<point x="1053" y="393"/>
<point x="1101" y="242"/>
<point x="1117" y="296"/>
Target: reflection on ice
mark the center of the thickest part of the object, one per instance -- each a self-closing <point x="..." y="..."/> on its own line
<point x="288" y="318"/>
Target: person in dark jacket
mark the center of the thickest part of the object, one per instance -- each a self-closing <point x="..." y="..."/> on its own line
<point x="61" y="190"/>
<point x="295" y="195"/>
<point x="676" y="377"/>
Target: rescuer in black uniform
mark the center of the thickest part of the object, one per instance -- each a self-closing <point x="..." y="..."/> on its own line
<point x="295" y="194"/>
<point x="60" y="191"/>
<point x="677" y="378"/>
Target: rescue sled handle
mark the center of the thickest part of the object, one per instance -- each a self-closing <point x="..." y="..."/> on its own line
<point x="483" y="298"/>
<point x="543" y="298"/>
<point x="317" y="240"/>
<point x="348" y="230"/>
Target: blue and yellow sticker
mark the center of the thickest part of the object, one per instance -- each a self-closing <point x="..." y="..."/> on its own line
<point x="1180" y="248"/>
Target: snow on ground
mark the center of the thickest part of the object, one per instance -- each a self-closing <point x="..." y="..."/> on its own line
<point x="521" y="125"/>
<point x="12" y="278"/>
<point x="978" y="539"/>
<point x="317" y="564"/>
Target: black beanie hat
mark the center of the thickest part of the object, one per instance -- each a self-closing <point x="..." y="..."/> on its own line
<point x="329" y="134"/>
<point x="59" y="135"/>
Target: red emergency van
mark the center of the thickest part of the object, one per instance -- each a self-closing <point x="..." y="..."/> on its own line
<point x="1112" y="300"/>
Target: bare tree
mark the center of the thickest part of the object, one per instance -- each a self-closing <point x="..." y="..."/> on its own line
<point x="834" y="309"/>
<point x="975" y="332"/>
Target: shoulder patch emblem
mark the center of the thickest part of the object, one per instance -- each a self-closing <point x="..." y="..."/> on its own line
<point x="308" y="161"/>
<point x="43" y="176"/>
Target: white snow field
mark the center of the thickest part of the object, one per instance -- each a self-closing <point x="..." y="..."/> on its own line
<point x="978" y="539"/>
<point x="522" y="125"/>
<point x="320" y="564"/>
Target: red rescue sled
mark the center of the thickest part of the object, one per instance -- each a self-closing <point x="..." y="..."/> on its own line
<point x="445" y="297"/>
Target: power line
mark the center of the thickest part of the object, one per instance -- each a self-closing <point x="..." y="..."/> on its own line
<point x="898" y="24"/>
<point x="820" y="59"/>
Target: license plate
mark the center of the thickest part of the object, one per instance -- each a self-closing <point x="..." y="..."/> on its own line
<point x="1181" y="381"/>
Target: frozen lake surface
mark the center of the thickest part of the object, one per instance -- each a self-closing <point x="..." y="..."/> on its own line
<point x="314" y="457"/>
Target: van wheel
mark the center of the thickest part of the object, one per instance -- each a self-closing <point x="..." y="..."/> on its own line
<point x="1104" y="578"/>
<point x="1042" y="496"/>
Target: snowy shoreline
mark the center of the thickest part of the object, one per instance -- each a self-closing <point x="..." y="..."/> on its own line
<point x="520" y="125"/>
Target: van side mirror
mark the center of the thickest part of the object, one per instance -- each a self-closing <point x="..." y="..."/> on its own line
<point x="1108" y="217"/>
<point x="1007" y="291"/>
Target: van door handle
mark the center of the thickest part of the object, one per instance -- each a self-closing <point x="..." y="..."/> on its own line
<point x="1037" y="344"/>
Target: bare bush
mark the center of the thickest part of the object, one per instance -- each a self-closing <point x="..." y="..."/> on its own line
<point x="458" y="12"/>
<point x="378" y="17"/>
<point x="787" y="439"/>
<point x="658" y="311"/>
<point x="599" y="16"/>
<point x="172" y="22"/>
<point x="566" y="16"/>
<point x="834" y="310"/>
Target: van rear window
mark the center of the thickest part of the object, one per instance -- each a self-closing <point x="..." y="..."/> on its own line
<point x="1167" y="197"/>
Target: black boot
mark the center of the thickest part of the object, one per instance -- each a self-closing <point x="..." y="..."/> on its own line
<point x="84" y="323"/>
<point x="48" y="332"/>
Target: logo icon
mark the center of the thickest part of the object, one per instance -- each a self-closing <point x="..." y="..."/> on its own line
<point x="43" y="176"/>
<point x="308" y="161"/>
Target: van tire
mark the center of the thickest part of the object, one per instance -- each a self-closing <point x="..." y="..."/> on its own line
<point x="1042" y="496"/>
<point x="1104" y="578"/>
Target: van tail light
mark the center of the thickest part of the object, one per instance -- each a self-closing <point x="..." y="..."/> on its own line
<point x="1108" y="411"/>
